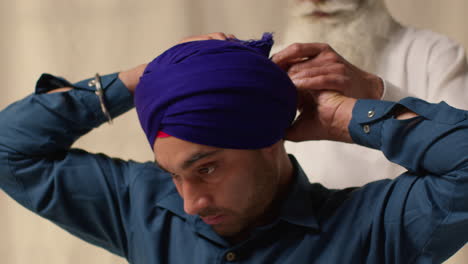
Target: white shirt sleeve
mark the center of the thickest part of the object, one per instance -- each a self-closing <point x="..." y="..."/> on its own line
<point x="447" y="70"/>
<point x="427" y="65"/>
<point x="393" y="93"/>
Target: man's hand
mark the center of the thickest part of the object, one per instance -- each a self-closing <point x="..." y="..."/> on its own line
<point x="328" y="86"/>
<point x="59" y="90"/>
<point x="316" y="66"/>
<point x="132" y="76"/>
<point x="216" y="35"/>
<point x="324" y="115"/>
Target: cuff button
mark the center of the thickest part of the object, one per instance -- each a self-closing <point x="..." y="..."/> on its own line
<point x="366" y="129"/>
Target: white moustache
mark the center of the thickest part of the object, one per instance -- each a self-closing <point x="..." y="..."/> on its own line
<point x="307" y="8"/>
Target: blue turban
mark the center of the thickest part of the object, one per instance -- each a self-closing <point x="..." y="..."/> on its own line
<point x="220" y="93"/>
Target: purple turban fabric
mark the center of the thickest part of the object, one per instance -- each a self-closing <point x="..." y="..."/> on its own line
<point x="225" y="94"/>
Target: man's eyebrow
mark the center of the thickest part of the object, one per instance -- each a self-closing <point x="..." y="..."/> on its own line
<point x="198" y="156"/>
<point x="160" y="166"/>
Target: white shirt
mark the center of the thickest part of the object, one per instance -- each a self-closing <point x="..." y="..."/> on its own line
<point x="416" y="63"/>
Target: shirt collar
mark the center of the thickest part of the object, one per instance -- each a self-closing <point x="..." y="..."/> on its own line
<point x="298" y="206"/>
<point x="175" y="204"/>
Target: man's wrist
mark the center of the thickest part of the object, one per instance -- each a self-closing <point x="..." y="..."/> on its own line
<point x="377" y="85"/>
<point x="116" y="96"/>
<point x="380" y="88"/>
<point x="342" y="119"/>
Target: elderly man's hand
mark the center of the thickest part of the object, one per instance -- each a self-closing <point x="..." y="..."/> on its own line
<point x="316" y="66"/>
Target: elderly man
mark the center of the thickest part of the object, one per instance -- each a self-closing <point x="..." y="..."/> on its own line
<point x="411" y="62"/>
<point x="222" y="188"/>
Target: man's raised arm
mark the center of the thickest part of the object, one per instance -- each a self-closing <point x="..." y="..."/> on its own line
<point x="81" y="192"/>
<point x="422" y="215"/>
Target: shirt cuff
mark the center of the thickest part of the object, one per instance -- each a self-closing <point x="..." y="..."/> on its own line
<point x="117" y="97"/>
<point x="365" y="127"/>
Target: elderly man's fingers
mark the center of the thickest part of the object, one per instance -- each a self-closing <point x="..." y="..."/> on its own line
<point x="308" y="72"/>
<point x="298" y="51"/>
<point x="231" y="36"/>
<point x="305" y="64"/>
<point x="334" y="82"/>
<point x="325" y="58"/>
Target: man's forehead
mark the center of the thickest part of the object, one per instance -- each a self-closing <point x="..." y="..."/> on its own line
<point x="174" y="144"/>
<point x="172" y="151"/>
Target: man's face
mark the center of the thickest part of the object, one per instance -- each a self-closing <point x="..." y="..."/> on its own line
<point x="357" y="29"/>
<point x="229" y="189"/>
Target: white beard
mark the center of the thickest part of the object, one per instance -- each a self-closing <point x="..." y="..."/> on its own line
<point x="358" y="34"/>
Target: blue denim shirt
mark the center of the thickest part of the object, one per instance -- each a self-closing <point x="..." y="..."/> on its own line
<point x="133" y="209"/>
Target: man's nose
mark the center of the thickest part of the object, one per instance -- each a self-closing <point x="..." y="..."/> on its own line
<point x="195" y="199"/>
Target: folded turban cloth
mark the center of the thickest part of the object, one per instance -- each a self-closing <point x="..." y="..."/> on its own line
<point x="221" y="93"/>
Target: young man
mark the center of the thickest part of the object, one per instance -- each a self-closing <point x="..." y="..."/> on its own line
<point x="223" y="188"/>
<point x="411" y="62"/>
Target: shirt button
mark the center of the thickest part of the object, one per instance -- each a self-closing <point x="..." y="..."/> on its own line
<point x="366" y="129"/>
<point x="371" y="113"/>
<point x="231" y="256"/>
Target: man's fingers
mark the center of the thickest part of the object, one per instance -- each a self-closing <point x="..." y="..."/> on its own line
<point x="325" y="58"/>
<point x="216" y="35"/>
<point x="333" y="82"/>
<point x="286" y="66"/>
<point x="298" y="51"/>
<point x="309" y="72"/>
<point x="59" y="90"/>
<point x="306" y="64"/>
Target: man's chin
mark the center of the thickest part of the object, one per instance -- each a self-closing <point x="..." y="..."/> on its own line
<point x="231" y="230"/>
<point x="226" y="230"/>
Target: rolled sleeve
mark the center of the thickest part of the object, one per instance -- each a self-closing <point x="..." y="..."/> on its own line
<point x="426" y="208"/>
<point x="84" y="193"/>
<point x="117" y="97"/>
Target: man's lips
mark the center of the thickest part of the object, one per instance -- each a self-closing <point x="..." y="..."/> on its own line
<point x="214" y="219"/>
<point x="324" y="14"/>
<point x="321" y="14"/>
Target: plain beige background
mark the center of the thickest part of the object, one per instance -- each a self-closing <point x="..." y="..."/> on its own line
<point x="75" y="39"/>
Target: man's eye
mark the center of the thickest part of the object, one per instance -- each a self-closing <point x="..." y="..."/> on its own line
<point x="206" y="170"/>
<point x="175" y="176"/>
